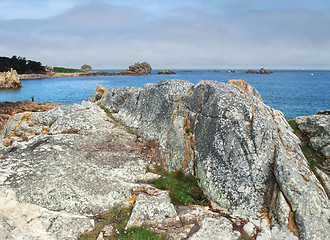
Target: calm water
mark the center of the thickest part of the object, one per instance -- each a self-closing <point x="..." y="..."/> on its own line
<point x="294" y="92"/>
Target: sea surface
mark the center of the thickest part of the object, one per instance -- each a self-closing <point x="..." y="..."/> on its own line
<point x="294" y="92"/>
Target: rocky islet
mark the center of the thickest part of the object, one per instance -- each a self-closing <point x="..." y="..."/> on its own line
<point x="244" y="153"/>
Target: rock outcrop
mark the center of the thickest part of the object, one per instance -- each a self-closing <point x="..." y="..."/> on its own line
<point x="317" y="128"/>
<point x="261" y="71"/>
<point x="86" y="68"/>
<point x="9" y="79"/>
<point x="244" y="153"/>
<point x="62" y="166"/>
<point x="166" y="72"/>
<point x="139" y="68"/>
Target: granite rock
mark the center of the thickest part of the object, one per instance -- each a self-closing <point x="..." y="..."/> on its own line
<point x="237" y="146"/>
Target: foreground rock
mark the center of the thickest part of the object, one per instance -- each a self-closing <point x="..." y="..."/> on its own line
<point x="139" y="68"/>
<point x="317" y="128"/>
<point x="9" y="108"/>
<point x="61" y="166"/>
<point x="244" y="153"/>
<point x="9" y="79"/>
<point x="166" y="72"/>
<point x="261" y="71"/>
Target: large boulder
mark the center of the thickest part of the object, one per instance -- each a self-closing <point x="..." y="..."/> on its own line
<point x="86" y="68"/>
<point x="60" y="167"/>
<point x="139" y="68"/>
<point x="166" y="72"/>
<point x="9" y="79"/>
<point x="243" y="152"/>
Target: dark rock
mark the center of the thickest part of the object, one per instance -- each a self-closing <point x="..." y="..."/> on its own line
<point x="262" y="71"/>
<point x="166" y="72"/>
<point x="187" y="71"/>
<point x="140" y="68"/>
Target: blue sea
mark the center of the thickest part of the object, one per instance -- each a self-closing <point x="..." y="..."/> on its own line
<point x="294" y="92"/>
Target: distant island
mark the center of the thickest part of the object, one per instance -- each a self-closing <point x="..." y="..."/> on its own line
<point x="261" y="71"/>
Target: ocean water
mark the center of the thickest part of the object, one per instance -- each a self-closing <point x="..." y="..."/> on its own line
<point x="294" y="92"/>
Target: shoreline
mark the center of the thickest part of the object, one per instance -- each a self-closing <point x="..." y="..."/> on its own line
<point x="64" y="75"/>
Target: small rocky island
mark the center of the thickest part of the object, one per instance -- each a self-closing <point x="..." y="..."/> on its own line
<point x="9" y="79"/>
<point x="166" y="72"/>
<point x="261" y="71"/>
<point x="63" y="167"/>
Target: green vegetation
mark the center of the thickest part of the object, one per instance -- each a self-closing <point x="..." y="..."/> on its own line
<point x="183" y="188"/>
<point x="117" y="220"/>
<point x="21" y="65"/>
<point x="311" y="155"/>
<point x="245" y="236"/>
<point x="66" y="70"/>
<point x="189" y="130"/>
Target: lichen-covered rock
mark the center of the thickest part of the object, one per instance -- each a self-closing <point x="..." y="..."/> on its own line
<point x="62" y="166"/>
<point x="9" y="79"/>
<point x="238" y="147"/>
<point x="216" y="228"/>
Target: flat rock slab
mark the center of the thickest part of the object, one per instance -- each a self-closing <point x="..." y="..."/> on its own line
<point x="61" y="166"/>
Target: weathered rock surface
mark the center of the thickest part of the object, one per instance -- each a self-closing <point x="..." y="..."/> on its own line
<point x="317" y="127"/>
<point x="261" y="71"/>
<point x="139" y="68"/>
<point x="9" y="79"/>
<point x="242" y="151"/>
<point x="9" y="108"/>
<point x="166" y="72"/>
<point x="61" y="166"/>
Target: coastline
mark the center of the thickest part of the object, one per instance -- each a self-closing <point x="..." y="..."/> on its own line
<point x="64" y="75"/>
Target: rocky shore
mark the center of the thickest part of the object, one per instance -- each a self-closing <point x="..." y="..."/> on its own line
<point x="261" y="71"/>
<point x="61" y="167"/>
<point x="140" y="68"/>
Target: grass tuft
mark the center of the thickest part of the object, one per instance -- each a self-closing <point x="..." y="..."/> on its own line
<point x="183" y="188"/>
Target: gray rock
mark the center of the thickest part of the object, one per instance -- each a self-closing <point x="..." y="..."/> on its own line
<point x="216" y="228"/>
<point x="62" y="166"/>
<point x="139" y="68"/>
<point x="318" y="128"/>
<point x="151" y="208"/>
<point x="237" y="146"/>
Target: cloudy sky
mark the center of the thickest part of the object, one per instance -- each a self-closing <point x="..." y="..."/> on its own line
<point x="113" y="34"/>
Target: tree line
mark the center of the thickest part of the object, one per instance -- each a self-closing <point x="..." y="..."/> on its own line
<point x="21" y="65"/>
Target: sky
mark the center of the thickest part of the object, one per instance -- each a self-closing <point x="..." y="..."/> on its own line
<point x="172" y="34"/>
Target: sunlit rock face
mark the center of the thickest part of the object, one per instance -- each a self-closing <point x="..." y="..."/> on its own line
<point x="244" y="153"/>
<point x="9" y="79"/>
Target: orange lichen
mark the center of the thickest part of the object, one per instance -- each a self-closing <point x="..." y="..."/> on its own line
<point x="239" y="83"/>
<point x="26" y="117"/>
<point x="292" y="224"/>
<point x="131" y="199"/>
<point x="277" y="191"/>
<point x="264" y="214"/>
<point x="304" y="178"/>
<point x="101" y="88"/>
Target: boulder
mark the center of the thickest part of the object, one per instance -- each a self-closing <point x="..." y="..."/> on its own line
<point x="9" y="79"/>
<point x="317" y="128"/>
<point x="166" y="72"/>
<point x="62" y="166"/>
<point x="238" y="147"/>
<point x="86" y="68"/>
<point x="139" y="68"/>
